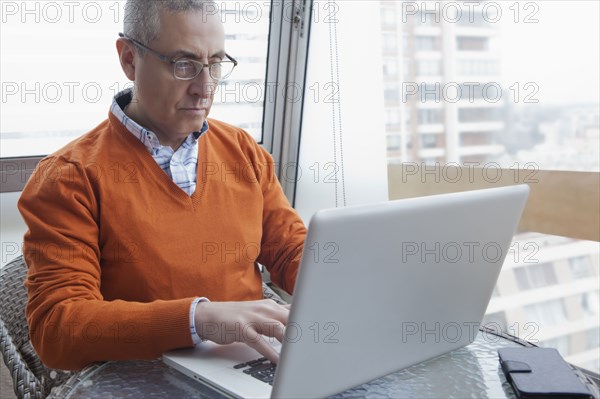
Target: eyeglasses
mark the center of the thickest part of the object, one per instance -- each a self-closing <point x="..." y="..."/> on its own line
<point x="184" y="69"/>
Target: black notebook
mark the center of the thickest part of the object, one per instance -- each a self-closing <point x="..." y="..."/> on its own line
<point x="541" y="373"/>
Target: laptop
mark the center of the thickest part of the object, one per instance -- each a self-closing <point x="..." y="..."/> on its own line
<point x="380" y="288"/>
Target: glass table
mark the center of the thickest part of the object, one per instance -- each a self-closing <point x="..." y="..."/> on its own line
<point x="472" y="371"/>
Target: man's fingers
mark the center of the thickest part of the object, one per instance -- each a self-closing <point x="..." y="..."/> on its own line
<point x="227" y="322"/>
<point x="261" y="346"/>
<point x="272" y="329"/>
<point x="279" y="312"/>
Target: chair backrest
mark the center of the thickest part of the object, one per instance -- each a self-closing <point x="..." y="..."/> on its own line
<point x="31" y="379"/>
<point x="13" y="299"/>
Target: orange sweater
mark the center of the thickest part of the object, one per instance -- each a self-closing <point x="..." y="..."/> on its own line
<point x="117" y="252"/>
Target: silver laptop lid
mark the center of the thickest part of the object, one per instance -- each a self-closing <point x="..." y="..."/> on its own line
<point x="385" y="286"/>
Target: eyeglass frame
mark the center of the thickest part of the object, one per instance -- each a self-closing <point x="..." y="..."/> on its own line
<point x="172" y="61"/>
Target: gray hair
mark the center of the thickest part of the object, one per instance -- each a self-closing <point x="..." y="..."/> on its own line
<point x="142" y="17"/>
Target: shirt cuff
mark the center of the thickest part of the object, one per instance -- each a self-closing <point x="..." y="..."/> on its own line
<point x="195" y="337"/>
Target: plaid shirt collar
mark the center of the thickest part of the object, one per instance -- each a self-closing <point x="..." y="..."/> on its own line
<point x="147" y="137"/>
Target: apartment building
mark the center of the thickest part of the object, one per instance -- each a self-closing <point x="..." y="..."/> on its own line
<point x="442" y="96"/>
<point x="548" y="293"/>
<point x="441" y="78"/>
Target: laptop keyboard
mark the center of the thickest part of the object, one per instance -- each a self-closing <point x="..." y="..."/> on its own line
<point x="261" y="369"/>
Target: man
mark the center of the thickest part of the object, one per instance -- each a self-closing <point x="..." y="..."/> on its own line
<point x="145" y="233"/>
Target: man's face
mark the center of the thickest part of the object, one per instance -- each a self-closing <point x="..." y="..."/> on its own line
<point x="169" y="107"/>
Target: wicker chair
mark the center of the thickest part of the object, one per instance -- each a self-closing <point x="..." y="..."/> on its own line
<point x="31" y="379"/>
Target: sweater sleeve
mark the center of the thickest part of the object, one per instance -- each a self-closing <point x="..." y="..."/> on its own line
<point x="283" y="229"/>
<point x="70" y="323"/>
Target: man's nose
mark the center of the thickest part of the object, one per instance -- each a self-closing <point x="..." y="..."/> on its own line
<point x="202" y="85"/>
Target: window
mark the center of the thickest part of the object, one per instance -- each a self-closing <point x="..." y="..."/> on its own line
<point x="428" y="67"/>
<point x="426" y="16"/>
<point x="429" y="140"/>
<point x="469" y="43"/>
<point x="535" y="276"/>
<point x="592" y="338"/>
<point x="388" y="16"/>
<point x="408" y="68"/>
<point x="426" y="43"/>
<point x="475" y="90"/>
<point x="547" y="313"/>
<point x="478" y="67"/>
<point x="581" y="267"/>
<point x="428" y="92"/>
<point x="68" y="93"/>
<point x="467" y="115"/>
<point x="393" y="142"/>
<point x="390" y="68"/>
<point x="392" y="95"/>
<point x="478" y="19"/>
<point x="549" y="115"/>
<point x="590" y="303"/>
<point x="405" y="44"/>
<point x="392" y="119"/>
<point x="390" y="42"/>
<point x="428" y="116"/>
<point x="562" y="344"/>
<point x="468" y="139"/>
<point x="48" y="103"/>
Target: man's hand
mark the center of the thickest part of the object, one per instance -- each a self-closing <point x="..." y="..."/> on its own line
<point x="228" y="322"/>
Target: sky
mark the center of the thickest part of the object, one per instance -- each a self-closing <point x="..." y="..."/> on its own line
<point x="560" y="53"/>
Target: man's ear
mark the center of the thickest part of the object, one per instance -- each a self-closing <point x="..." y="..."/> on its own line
<point x="127" y="57"/>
